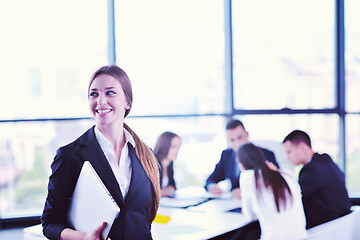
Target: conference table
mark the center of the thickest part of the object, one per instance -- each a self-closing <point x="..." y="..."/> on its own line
<point x="197" y="216"/>
<point x="193" y="214"/>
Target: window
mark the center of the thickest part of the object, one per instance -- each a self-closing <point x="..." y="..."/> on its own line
<point x="283" y="54"/>
<point x="353" y="154"/>
<point x="203" y="139"/>
<point x="48" y="53"/>
<point x="26" y="152"/>
<point x="352" y="99"/>
<point x="352" y="56"/>
<point x="174" y="55"/>
<point x="277" y="127"/>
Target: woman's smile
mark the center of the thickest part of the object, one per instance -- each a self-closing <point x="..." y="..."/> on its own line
<point x="103" y="112"/>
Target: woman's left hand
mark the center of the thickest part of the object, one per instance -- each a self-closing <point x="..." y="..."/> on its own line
<point x="168" y="191"/>
<point x="271" y="166"/>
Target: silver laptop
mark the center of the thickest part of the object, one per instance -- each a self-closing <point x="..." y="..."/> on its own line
<point x="91" y="203"/>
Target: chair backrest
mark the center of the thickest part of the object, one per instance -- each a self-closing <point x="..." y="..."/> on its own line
<point x="340" y="228"/>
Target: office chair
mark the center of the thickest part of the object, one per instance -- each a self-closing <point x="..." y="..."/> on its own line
<point x="341" y="228"/>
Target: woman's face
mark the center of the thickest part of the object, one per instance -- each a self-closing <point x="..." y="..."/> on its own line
<point x="174" y="148"/>
<point x="107" y="100"/>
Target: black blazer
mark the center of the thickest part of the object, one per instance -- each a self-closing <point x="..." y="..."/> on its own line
<point x="323" y="191"/>
<point x="227" y="168"/>
<point x="132" y="221"/>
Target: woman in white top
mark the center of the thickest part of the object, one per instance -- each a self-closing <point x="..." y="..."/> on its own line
<point x="273" y="197"/>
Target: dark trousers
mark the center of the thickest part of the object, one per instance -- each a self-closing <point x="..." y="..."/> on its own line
<point x="250" y="231"/>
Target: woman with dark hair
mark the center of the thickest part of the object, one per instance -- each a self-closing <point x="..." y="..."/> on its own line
<point x="271" y="196"/>
<point x="166" y="150"/>
<point x="127" y="167"/>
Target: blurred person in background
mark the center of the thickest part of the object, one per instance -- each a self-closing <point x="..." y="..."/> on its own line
<point x="227" y="167"/>
<point x="322" y="183"/>
<point x="271" y="199"/>
<point x="166" y="151"/>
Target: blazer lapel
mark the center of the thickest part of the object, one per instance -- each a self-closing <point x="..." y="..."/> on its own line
<point x="92" y="152"/>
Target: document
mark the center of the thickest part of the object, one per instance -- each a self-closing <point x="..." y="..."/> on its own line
<point x="181" y="202"/>
<point x="91" y="203"/>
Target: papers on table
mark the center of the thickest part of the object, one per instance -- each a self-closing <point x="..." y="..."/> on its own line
<point x="181" y="203"/>
<point x="191" y="197"/>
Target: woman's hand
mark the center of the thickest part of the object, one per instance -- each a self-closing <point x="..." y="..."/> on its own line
<point x="271" y="166"/>
<point x="236" y="193"/>
<point x="69" y="234"/>
<point x="168" y="191"/>
<point x="96" y="233"/>
<point x="214" y="189"/>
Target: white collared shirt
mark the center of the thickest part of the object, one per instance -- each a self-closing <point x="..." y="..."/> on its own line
<point x="122" y="171"/>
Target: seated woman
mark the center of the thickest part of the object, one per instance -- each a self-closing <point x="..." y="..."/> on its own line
<point x="271" y="196"/>
<point x="166" y="150"/>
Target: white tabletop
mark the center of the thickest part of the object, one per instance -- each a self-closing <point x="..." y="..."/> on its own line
<point x="203" y="221"/>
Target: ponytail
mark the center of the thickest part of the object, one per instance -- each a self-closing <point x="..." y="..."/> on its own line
<point x="151" y="167"/>
<point x="279" y="186"/>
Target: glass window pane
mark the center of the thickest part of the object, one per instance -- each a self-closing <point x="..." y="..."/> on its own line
<point x="352" y="55"/>
<point x="49" y="49"/>
<point x="203" y="139"/>
<point x="277" y="127"/>
<point x="173" y="53"/>
<point x="353" y="154"/>
<point x="283" y="54"/>
<point x="27" y="150"/>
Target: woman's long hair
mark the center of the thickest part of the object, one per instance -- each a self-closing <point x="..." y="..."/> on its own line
<point x="252" y="157"/>
<point x="151" y="167"/>
<point x="143" y="152"/>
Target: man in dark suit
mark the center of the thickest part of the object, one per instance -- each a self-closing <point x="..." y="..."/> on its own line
<point x="227" y="167"/>
<point x="322" y="183"/>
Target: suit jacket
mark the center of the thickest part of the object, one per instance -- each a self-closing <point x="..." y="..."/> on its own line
<point x="324" y="194"/>
<point x="227" y="168"/>
<point x="170" y="172"/>
<point x="132" y="221"/>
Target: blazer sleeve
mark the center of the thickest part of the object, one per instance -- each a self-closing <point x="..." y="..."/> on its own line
<point x="60" y="188"/>
<point x="219" y="172"/>
<point x="270" y="156"/>
<point x="310" y="180"/>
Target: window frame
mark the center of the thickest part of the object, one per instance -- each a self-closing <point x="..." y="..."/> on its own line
<point x="230" y="111"/>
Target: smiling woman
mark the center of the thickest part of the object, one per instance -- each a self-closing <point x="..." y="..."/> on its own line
<point x="116" y="153"/>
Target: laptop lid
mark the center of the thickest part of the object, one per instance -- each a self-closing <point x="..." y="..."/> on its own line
<point x="91" y="203"/>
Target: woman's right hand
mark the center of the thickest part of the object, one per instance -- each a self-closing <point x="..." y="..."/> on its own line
<point x="96" y="233"/>
<point x="69" y="234"/>
<point x="214" y="189"/>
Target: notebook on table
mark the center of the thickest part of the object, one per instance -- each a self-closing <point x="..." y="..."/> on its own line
<point x="91" y="203"/>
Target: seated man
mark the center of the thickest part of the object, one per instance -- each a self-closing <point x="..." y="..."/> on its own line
<point x="227" y="167"/>
<point x="322" y="183"/>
